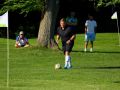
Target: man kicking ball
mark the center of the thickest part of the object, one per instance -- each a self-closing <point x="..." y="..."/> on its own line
<point x="67" y="36"/>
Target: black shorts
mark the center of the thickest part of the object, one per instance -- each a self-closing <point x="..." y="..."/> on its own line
<point x="66" y="47"/>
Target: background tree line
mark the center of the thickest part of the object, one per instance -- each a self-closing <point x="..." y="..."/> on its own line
<point x="39" y="18"/>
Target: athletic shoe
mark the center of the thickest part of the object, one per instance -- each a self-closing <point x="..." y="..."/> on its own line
<point x="69" y="67"/>
<point x="65" y="67"/>
<point x="85" y="50"/>
<point x="91" y="50"/>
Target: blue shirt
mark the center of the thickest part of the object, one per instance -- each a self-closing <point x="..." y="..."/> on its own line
<point x="72" y="20"/>
<point x="22" y="41"/>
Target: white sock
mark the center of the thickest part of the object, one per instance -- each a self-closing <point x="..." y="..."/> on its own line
<point x="69" y="62"/>
<point x="66" y="61"/>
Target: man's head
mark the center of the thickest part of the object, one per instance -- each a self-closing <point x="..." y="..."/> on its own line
<point x="21" y="34"/>
<point x="62" y="23"/>
<point x="72" y="13"/>
<point x="90" y="16"/>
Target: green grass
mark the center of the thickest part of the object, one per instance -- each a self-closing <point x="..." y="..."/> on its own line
<point x="33" y="68"/>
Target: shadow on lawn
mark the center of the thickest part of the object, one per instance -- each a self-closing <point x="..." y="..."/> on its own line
<point x="117" y="82"/>
<point x="111" y="67"/>
<point x="106" y="52"/>
<point x="96" y="51"/>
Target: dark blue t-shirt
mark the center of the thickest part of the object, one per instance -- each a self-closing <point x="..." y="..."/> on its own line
<point x="65" y="34"/>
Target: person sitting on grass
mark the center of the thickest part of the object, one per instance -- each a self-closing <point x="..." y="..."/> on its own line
<point x="21" y="40"/>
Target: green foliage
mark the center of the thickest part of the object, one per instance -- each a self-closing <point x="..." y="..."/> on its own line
<point x="23" y="6"/>
<point x="105" y="3"/>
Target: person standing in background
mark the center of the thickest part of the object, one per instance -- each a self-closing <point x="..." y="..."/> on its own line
<point x="72" y="20"/>
<point x="90" y="32"/>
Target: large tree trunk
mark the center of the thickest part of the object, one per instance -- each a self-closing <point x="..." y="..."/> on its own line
<point x="47" y="24"/>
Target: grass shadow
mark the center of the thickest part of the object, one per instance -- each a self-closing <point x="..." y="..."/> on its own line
<point x="77" y="51"/>
<point x="117" y="52"/>
<point x="117" y="82"/>
<point x="106" y="52"/>
<point x="110" y="67"/>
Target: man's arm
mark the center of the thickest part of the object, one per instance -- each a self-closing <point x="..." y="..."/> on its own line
<point x="72" y="24"/>
<point x="26" y="40"/>
<point x="95" y="27"/>
<point x="57" y="38"/>
<point x="85" y="29"/>
<point x="17" y="40"/>
<point x="95" y="30"/>
<point x="71" y="39"/>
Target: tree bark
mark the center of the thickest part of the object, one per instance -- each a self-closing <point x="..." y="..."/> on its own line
<point x="47" y="24"/>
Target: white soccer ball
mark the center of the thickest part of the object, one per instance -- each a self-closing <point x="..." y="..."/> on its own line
<point x="57" y="66"/>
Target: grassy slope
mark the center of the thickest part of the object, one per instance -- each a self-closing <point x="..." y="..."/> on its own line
<point x="33" y="68"/>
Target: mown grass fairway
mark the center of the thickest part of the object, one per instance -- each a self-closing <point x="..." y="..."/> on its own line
<point x="33" y="68"/>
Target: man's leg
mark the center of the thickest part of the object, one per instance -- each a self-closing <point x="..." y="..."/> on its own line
<point x="86" y="42"/>
<point x="92" y="38"/>
<point x="17" y="45"/>
<point x="27" y="45"/>
<point x="67" y="60"/>
<point x="86" y="45"/>
<point x="91" y="46"/>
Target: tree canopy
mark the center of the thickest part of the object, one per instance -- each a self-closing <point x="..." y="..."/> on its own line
<point x="23" y="6"/>
<point x="105" y="3"/>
